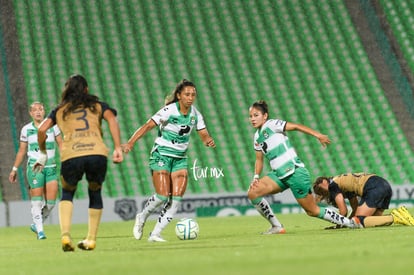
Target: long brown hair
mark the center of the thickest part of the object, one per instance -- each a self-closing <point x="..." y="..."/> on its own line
<point x="322" y="195"/>
<point x="75" y="95"/>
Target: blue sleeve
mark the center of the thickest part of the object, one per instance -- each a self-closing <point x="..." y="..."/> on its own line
<point x="334" y="190"/>
<point x="52" y="115"/>
<point x="105" y="107"/>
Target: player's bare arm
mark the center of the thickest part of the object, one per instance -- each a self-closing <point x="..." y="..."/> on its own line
<point x="148" y="126"/>
<point x="323" y="139"/>
<point x="19" y="159"/>
<point x="206" y="138"/>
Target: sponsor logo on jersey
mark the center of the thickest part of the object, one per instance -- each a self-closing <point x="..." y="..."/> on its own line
<point x="83" y="146"/>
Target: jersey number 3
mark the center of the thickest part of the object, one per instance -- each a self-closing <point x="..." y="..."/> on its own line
<point x="82" y="117"/>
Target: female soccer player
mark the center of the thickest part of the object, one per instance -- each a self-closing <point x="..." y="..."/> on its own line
<point x="168" y="160"/>
<point x="79" y="116"/>
<point x="44" y="185"/>
<point x="374" y="193"/>
<point x="288" y="171"/>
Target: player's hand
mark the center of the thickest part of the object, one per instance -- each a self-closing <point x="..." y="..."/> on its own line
<point x="324" y="140"/>
<point x="117" y="156"/>
<point x="126" y="148"/>
<point x="211" y="143"/>
<point x="254" y="183"/>
<point x="13" y="176"/>
<point x="40" y="162"/>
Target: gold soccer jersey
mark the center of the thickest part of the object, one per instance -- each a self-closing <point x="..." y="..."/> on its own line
<point x="352" y="182"/>
<point x="82" y="133"/>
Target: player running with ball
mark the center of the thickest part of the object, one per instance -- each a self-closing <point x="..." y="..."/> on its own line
<point x="168" y="160"/>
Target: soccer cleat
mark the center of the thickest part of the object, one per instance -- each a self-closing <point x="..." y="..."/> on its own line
<point x="406" y="215"/>
<point x="275" y="230"/>
<point x="356" y="223"/>
<point x="398" y="218"/>
<point x="33" y="228"/>
<point x="41" y="235"/>
<point x="87" y="244"/>
<point x="138" y="227"/>
<point x="67" y="245"/>
<point x="155" y="238"/>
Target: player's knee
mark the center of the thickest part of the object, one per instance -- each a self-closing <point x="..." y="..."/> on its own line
<point x="67" y="186"/>
<point x="94" y="186"/>
<point x="252" y="194"/>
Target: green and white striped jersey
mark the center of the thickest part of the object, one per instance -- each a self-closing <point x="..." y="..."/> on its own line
<point x="28" y="134"/>
<point x="272" y="140"/>
<point x="175" y="129"/>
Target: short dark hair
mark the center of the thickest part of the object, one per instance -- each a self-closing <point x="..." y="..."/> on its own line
<point x="262" y="106"/>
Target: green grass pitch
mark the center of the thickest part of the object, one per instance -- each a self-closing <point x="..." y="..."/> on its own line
<point x="226" y="245"/>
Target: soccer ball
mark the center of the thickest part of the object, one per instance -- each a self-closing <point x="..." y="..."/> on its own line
<point x="187" y="229"/>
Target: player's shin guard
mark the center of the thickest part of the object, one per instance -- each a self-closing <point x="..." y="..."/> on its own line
<point x="36" y="210"/>
<point x="47" y="208"/>
<point x="152" y="204"/>
<point x="167" y="215"/>
<point x="334" y="217"/>
<point x="263" y="207"/>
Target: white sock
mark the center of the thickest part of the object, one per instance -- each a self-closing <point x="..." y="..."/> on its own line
<point x="334" y="217"/>
<point x="47" y="209"/>
<point x="166" y="216"/>
<point x="266" y="211"/>
<point x="36" y="210"/>
<point x="152" y="203"/>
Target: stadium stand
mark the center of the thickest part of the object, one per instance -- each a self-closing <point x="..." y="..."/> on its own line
<point x="303" y="57"/>
<point x="399" y="14"/>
